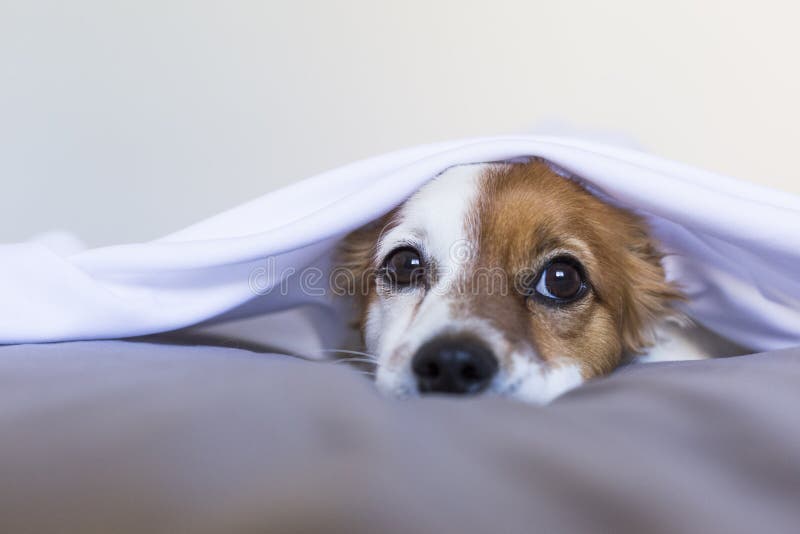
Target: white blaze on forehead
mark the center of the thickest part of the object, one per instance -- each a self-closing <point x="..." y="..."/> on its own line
<point x="436" y="219"/>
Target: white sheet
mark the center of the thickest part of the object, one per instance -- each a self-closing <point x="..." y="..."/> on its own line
<point x="735" y="245"/>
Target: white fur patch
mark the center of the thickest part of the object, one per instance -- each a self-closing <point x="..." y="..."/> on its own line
<point x="681" y="341"/>
<point x="539" y="384"/>
<point x="434" y="219"/>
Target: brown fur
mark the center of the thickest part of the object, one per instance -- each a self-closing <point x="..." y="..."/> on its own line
<point x="525" y="212"/>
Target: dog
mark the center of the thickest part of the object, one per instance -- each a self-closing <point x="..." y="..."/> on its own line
<point x="506" y="279"/>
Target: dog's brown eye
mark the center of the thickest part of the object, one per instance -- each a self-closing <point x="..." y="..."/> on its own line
<point x="404" y="267"/>
<point x="561" y="281"/>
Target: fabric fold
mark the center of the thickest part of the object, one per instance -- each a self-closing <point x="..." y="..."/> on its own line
<point x="734" y="247"/>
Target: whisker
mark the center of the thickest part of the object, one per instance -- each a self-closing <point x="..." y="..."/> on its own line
<point x="352" y="360"/>
<point x="356" y="352"/>
<point x="364" y="372"/>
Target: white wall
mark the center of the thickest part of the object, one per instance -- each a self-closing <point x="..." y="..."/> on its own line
<point x="122" y="120"/>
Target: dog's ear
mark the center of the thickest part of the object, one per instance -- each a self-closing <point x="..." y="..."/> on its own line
<point x="355" y="258"/>
<point x="649" y="298"/>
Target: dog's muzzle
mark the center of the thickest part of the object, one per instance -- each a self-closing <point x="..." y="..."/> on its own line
<point x="458" y="365"/>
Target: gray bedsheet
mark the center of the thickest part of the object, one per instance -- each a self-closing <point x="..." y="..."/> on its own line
<point x="134" y="437"/>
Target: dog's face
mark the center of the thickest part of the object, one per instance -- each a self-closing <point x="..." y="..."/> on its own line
<point x="506" y="279"/>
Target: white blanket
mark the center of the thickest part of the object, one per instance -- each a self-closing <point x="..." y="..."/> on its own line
<point x="735" y="247"/>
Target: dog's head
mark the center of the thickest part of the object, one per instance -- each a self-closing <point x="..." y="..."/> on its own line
<point x="506" y="279"/>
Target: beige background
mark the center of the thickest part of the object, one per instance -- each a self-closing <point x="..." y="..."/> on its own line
<point x="124" y="120"/>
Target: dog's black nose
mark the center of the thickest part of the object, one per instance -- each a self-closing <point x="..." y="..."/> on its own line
<point x="453" y="365"/>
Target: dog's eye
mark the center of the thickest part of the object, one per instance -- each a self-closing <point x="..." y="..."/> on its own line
<point x="404" y="267"/>
<point x="561" y="281"/>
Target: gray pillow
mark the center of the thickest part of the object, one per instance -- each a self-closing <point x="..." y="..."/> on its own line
<point x="136" y="437"/>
